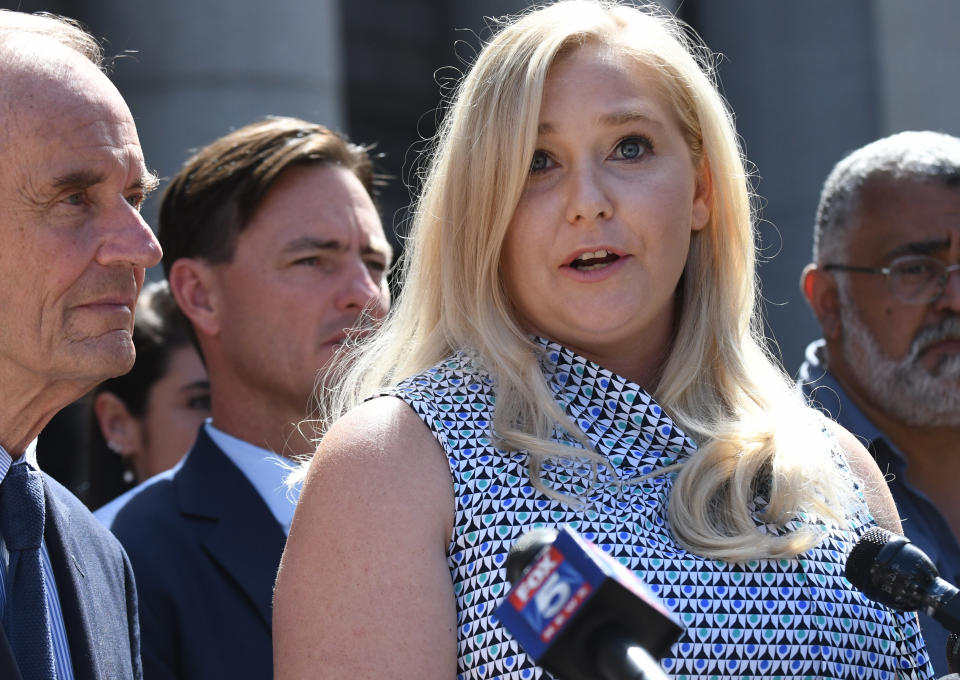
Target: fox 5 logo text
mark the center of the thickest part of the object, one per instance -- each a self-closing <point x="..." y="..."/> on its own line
<point x="549" y="594"/>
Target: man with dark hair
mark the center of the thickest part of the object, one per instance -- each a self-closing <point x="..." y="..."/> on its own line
<point x="73" y="250"/>
<point x="275" y="253"/>
<point x="884" y="286"/>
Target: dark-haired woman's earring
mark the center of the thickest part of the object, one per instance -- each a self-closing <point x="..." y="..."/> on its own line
<point x="114" y="446"/>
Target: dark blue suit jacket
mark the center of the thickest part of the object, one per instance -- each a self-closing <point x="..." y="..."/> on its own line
<point x="205" y="549"/>
<point x="97" y="593"/>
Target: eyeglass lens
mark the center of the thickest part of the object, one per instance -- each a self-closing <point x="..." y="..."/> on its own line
<point x="917" y="278"/>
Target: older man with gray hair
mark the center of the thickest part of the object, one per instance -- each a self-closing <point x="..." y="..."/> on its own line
<point x="73" y="250"/>
<point x="885" y="287"/>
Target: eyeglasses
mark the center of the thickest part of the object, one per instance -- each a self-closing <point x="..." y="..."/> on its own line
<point x="914" y="279"/>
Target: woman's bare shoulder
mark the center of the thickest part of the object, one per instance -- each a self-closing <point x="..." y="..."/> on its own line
<point x="381" y="450"/>
<point x="868" y="473"/>
<point x="370" y="535"/>
<point x="381" y="427"/>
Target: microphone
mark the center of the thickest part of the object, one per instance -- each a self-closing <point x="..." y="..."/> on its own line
<point x="893" y="571"/>
<point x="580" y="614"/>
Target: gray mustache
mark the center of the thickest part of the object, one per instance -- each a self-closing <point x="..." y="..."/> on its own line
<point x="948" y="329"/>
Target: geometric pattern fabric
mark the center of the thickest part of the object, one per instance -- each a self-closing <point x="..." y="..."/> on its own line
<point x="796" y="618"/>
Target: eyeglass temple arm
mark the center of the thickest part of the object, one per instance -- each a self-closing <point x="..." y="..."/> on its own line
<point x="851" y="268"/>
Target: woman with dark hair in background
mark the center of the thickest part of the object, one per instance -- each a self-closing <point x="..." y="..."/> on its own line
<point x="142" y="423"/>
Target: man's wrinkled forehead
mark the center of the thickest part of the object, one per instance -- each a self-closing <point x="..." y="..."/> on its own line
<point x="910" y="215"/>
<point x="63" y="120"/>
<point x="35" y="69"/>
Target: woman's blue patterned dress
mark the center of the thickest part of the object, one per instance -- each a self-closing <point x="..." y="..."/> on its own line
<point x="796" y="618"/>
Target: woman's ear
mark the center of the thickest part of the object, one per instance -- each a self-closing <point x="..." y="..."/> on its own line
<point x="193" y="286"/>
<point x="119" y="427"/>
<point x="702" y="197"/>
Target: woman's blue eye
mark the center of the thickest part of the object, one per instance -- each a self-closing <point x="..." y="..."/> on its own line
<point x="539" y="161"/>
<point x="631" y="148"/>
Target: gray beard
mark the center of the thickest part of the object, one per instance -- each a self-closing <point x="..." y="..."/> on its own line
<point x="905" y="389"/>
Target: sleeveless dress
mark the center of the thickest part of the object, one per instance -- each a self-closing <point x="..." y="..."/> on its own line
<point x="788" y="618"/>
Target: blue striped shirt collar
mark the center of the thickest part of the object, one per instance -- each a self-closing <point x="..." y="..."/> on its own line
<point x="29" y="456"/>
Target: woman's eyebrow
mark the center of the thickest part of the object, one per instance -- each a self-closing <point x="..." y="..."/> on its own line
<point x="614" y="119"/>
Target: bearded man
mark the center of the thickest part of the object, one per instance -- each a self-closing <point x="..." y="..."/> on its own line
<point x="885" y="287"/>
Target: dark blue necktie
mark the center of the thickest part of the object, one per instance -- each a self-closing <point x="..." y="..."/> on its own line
<point x="25" y="616"/>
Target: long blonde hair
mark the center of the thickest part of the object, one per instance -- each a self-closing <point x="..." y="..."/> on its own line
<point x="718" y="383"/>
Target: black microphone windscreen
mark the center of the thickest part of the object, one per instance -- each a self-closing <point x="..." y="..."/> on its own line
<point x="899" y="574"/>
<point x="525" y="550"/>
<point x="864" y="555"/>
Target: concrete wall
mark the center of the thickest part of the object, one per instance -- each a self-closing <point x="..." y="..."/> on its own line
<point x="918" y="65"/>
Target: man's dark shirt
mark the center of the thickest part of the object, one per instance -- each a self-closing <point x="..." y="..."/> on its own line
<point x="923" y="523"/>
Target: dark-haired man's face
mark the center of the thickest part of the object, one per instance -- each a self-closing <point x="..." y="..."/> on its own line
<point x="312" y="258"/>
<point x="905" y="358"/>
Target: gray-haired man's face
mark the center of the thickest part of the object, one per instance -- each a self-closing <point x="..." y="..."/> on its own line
<point x="905" y="357"/>
<point x="73" y="246"/>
